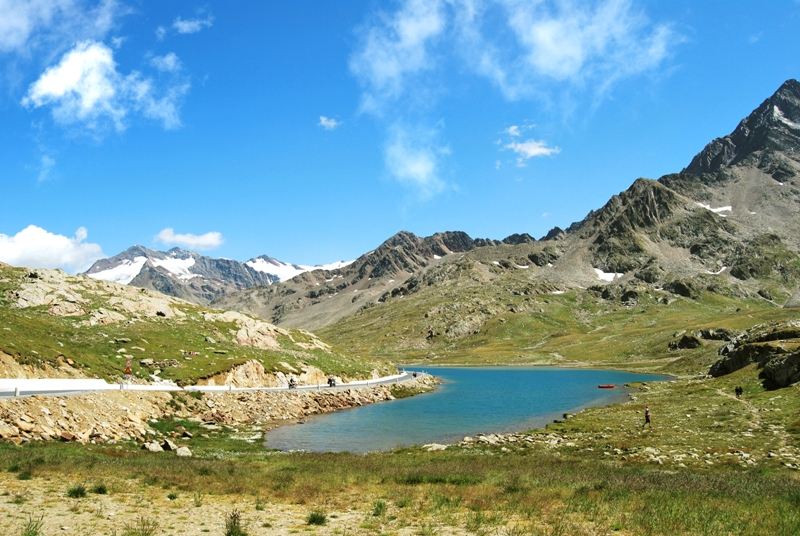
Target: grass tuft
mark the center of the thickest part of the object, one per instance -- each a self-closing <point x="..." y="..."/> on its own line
<point x="233" y="524"/>
<point x="33" y="527"/>
<point x="77" y="492"/>
<point x="143" y="526"/>
<point x="317" y="517"/>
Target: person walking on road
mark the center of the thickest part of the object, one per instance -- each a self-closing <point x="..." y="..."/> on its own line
<point x="647" y="417"/>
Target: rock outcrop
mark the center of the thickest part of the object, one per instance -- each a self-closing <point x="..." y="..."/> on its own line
<point x="774" y="348"/>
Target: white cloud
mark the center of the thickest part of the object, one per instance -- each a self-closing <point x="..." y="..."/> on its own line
<point x="201" y="242"/>
<point x="54" y="23"/>
<point x="192" y="25"/>
<point x="395" y="48"/>
<point x="530" y="148"/>
<point x="33" y="247"/>
<point x="161" y="32"/>
<point x="85" y="87"/>
<point x="328" y="124"/>
<point x="414" y="159"/>
<point x="513" y="130"/>
<point x="169" y="63"/>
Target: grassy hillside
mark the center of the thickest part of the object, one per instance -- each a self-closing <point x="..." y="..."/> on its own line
<point x="483" y="313"/>
<point x="97" y="325"/>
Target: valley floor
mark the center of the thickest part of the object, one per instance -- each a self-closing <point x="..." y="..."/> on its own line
<point x="710" y="464"/>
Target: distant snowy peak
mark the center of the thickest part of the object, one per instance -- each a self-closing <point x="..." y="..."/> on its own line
<point x="181" y="273"/>
<point x="285" y="271"/>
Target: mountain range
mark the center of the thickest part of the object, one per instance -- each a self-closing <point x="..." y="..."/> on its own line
<point x="726" y="223"/>
<point x="192" y="276"/>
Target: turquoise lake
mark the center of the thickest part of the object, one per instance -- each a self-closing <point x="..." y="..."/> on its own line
<point x="471" y="400"/>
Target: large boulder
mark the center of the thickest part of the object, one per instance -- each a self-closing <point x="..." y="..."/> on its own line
<point x="781" y="371"/>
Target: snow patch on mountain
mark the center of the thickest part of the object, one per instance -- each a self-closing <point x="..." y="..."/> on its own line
<point x="727" y="208"/>
<point x="122" y="273"/>
<point x="177" y="267"/>
<point x="782" y="118"/>
<point x="607" y="276"/>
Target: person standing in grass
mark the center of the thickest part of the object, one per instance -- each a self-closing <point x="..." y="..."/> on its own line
<point x="647" y="417"/>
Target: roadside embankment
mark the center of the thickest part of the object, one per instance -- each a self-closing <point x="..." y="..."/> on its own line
<point x="125" y="415"/>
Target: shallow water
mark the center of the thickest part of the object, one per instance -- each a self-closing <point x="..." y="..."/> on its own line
<point x="470" y="401"/>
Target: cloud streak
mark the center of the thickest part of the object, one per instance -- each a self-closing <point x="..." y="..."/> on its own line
<point x="200" y="242"/>
<point x="34" y="247"/>
<point x="86" y="88"/>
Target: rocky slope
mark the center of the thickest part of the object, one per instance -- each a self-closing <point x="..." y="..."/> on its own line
<point x="320" y="297"/>
<point x="49" y="318"/>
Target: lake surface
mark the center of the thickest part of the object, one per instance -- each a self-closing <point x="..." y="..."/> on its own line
<point x="471" y="400"/>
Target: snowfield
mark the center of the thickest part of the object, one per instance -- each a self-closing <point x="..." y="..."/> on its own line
<point x="124" y="273"/>
<point x="285" y="271"/>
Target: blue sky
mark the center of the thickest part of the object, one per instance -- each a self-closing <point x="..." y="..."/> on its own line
<point x="311" y="131"/>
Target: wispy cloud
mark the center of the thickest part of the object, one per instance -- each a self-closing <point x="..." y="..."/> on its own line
<point x="168" y="63"/>
<point x="34" y="247"/>
<point x="540" y="49"/>
<point x="531" y="148"/>
<point x="394" y="48"/>
<point x="328" y="123"/>
<point x="86" y="88"/>
<point x="414" y="158"/>
<point x="190" y="26"/>
<point x="592" y="43"/>
<point x="46" y="166"/>
<point x="26" y="24"/>
<point x="201" y="242"/>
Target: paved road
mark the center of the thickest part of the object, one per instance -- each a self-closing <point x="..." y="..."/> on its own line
<point x="17" y="387"/>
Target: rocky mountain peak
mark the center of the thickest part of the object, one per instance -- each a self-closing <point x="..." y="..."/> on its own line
<point x="773" y="126"/>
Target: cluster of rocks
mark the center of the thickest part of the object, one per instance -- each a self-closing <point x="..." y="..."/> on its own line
<point x="787" y="455"/>
<point x="92" y="418"/>
<point x="267" y="406"/>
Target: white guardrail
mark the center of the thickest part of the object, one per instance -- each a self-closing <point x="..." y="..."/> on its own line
<point x="15" y="387"/>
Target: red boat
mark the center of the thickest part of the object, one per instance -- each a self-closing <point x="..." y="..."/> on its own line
<point x="606" y="386"/>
